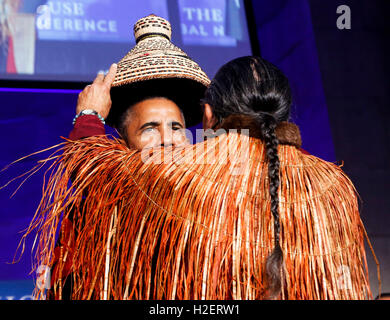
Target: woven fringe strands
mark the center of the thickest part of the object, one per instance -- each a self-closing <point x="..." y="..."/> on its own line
<point x="189" y="230"/>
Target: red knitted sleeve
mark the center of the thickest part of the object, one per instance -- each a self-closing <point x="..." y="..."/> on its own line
<point x="87" y="126"/>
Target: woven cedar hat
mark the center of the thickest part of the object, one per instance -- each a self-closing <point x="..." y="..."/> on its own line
<point x="156" y="67"/>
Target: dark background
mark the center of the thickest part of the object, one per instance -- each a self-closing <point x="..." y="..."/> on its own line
<point x="355" y="76"/>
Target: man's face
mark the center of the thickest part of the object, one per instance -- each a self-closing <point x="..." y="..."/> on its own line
<point x="155" y="122"/>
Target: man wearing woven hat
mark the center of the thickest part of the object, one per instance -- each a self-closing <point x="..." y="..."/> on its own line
<point x="144" y="92"/>
<point x="149" y="97"/>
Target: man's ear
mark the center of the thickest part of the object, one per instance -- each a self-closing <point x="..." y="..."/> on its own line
<point x="208" y="117"/>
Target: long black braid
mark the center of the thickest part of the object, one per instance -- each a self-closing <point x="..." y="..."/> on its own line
<point x="275" y="260"/>
<point x="253" y="87"/>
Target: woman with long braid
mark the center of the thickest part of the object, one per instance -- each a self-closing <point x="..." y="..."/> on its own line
<point x="253" y="88"/>
<point x="263" y="103"/>
<point x="263" y="220"/>
<point x="254" y="91"/>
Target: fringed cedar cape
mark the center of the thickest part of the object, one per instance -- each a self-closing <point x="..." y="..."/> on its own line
<point x="199" y="225"/>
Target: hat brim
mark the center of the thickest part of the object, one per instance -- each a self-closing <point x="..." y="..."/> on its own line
<point x="186" y="93"/>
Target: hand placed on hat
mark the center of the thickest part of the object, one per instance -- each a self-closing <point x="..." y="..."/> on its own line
<point x="96" y="96"/>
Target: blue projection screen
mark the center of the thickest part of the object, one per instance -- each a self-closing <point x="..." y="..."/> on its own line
<point x="72" y="40"/>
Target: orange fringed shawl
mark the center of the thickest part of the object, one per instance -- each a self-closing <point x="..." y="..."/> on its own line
<point x="189" y="230"/>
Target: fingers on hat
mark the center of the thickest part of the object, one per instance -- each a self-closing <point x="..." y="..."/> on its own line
<point x="110" y="77"/>
<point x="99" y="78"/>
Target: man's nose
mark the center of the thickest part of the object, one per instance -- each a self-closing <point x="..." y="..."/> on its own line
<point x="167" y="138"/>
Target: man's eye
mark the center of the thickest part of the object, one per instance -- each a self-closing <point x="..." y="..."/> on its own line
<point x="148" y="129"/>
<point x="176" y="128"/>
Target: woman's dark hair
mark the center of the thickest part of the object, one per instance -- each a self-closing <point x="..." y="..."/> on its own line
<point x="253" y="87"/>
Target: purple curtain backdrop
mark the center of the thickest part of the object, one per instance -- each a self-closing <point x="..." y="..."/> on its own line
<point x="286" y="37"/>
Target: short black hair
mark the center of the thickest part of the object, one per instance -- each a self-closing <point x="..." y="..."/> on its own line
<point x="122" y="126"/>
<point x="186" y="93"/>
